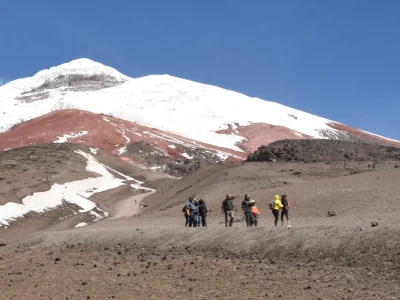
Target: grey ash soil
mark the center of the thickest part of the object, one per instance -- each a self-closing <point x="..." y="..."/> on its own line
<point x="239" y="263"/>
<point x="26" y="170"/>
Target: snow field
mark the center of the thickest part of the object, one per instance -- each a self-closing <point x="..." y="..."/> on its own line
<point x="74" y="192"/>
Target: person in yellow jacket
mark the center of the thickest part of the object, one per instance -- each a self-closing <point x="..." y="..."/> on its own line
<point x="276" y="206"/>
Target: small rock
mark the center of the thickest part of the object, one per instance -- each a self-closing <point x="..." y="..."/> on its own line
<point x="374" y="224"/>
<point x="84" y="283"/>
<point x="331" y="214"/>
<point x="57" y="259"/>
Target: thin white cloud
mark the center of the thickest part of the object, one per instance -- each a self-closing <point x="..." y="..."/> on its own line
<point x="2" y="81"/>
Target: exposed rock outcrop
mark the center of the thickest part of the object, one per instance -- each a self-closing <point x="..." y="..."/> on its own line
<point x="324" y="151"/>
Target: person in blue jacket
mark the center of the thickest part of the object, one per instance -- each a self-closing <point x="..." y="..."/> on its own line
<point x="193" y="209"/>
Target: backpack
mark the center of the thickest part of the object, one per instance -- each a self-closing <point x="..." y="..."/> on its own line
<point x="184" y="209"/>
<point x="255" y="211"/>
<point x="272" y="205"/>
<point x="203" y="208"/>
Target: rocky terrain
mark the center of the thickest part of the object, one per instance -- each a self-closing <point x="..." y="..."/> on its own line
<point x="142" y="250"/>
<point x="325" y="151"/>
<point x="173" y="163"/>
<point x="256" y="263"/>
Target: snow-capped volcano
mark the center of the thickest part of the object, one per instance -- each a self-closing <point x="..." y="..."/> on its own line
<point x="83" y="66"/>
<point x="200" y="112"/>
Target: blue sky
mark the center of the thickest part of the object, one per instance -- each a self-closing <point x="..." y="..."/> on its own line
<point x="333" y="58"/>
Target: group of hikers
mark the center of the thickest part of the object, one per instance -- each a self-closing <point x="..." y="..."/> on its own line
<point x="195" y="212"/>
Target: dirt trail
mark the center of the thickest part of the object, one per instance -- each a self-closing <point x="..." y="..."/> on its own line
<point x="129" y="206"/>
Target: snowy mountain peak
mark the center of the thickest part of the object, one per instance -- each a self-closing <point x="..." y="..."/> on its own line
<point x="82" y="66"/>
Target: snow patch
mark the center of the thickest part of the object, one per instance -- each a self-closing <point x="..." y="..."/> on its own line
<point x="222" y="155"/>
<point x="81" y="224"/>
<point x="65" y="137"/>
<point x="94" y="150"/>
<point x="184" y="154"/>
<point x="172" y="146"/>
<point x="121" y="150"/>
<point x="128" y="140"/>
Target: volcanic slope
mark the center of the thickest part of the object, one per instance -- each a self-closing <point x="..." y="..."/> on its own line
<point x="349" y="189"/>
<point x="62" y="185"/>
<point x="142" y="146"/>
<point x="151" y="254"/>
<point x="192" y="110"/>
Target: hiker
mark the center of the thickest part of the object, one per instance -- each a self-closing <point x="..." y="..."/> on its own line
<point x="246" y="208"/>
<point x="186" y="213"/>
<point x="285" y="209"/>
<point x="275" y="207"/>
<point x="197" y="216"/>
<point x="193" y="212"/>
<point x="255" y="212"/>
<point x="228" y="210"/>
<point x="203" y="210"/>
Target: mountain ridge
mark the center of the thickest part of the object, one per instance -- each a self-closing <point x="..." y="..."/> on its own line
<point x="199" y="112"/>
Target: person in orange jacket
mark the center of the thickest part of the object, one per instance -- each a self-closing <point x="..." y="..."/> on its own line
<point x="255" y="212"/>
<point x="186" y="212"/>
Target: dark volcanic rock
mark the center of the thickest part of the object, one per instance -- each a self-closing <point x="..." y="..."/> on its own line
<point x="319" y="150"/>
<point x="155" y="159"/>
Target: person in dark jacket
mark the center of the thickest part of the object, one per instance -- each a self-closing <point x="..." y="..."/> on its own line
<point x="197" y="215"/>
<point x="203" y="210"/>
<point x="285" y="209"/>
<point x="246" y="208"/>
<point x="228" y="209"/>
